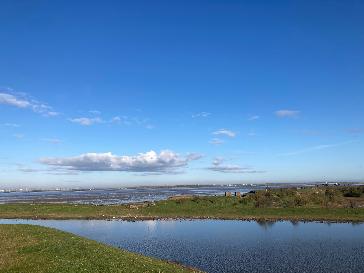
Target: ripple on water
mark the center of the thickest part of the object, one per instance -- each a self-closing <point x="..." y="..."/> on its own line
<point x="232" y="246"/>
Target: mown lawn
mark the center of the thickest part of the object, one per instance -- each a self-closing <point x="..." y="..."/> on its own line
<point x="35" y="249"/>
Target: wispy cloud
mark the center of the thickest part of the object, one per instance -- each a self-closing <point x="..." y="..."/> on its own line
<point x="356" y="131"/>
<point x="21" y="100"/>
<point x="12" y="100"/>
<point x="253" y="117"/>
<point x="225" y="132"/>
<point x="116" y="119"/>
<point x="86" y="121"/>
<point x="122" y="120"/>
<point x="151" y="162"/>
<point x="193" y="156"/>
<point x="19" y="136"/>
<point x="52" y="114"/>
<point x="13" y="125"/>
<point x="28" y="170"/>
<point x="216" y="141"/>
<point x="51" y="171"/>
<point x="252" y="133"/>
<point x="125" y="120"/>
<point x="315" y="148"/>
<point x="95" y="112"/>
<point x="219" y="166"/>
<point x="201" y="115"/>
<point x="52" y="140"/>
<point x="287" y="113"/>
<point x="130" y="121"/>
<point x="149" y="126"/>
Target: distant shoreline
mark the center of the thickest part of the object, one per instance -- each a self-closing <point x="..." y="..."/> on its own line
<point x="324" y="203"/>
<point x="269" y="184"/>
<point x="201" y="218"/>
<point x="138" y="194"/>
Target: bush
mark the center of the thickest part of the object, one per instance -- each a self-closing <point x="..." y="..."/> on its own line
<point x="263" y="199"/>
<point x="352" y="193"/>
<point x="299" y="201"/>
<point x="288" y="203"/>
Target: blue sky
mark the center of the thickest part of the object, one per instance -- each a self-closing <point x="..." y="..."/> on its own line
<point x="109" y="93"/>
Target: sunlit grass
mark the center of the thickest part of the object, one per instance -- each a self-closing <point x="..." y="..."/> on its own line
<point x="30" y="249"/>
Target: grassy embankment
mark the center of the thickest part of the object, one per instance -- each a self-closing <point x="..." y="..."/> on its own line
<point x="26" y="248"/>
<point x="317" y="203"/>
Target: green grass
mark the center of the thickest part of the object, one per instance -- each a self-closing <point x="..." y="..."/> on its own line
<point x="26" y="248"/>
<point x="234" y="208"/>
<point x="318" y="203"/>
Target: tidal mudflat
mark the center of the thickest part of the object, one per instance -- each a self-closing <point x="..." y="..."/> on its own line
<point x="231" y="246"/>
<point x="119" y="196"/>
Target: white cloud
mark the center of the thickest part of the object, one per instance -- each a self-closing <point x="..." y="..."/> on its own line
<point x="86" y="121"/>
<point x="219" y="166"/>
<point x="252" y="118"/>
<point x="216" y="141"/>
<point x="23" y="101"/>
<point x="201" y="115"/>
<point x="12" y="100"/>
<point x="225" y="132"/>
<point x="287" y="113"/>
<point x="151" y="162"/>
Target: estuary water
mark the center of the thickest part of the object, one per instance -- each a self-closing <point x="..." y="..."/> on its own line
<point x="120" y="196"/>
<point x="231" y="246"/>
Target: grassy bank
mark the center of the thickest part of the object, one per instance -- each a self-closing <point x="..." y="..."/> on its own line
<point x="318" y="203"/>
<point x="26" y="248"/>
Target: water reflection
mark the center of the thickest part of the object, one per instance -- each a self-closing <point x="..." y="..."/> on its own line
<point x="265" y="224"/>
<point x="232" y="246"/>
<point x="294" y="223"/>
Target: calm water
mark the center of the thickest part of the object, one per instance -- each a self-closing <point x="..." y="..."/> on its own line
<point x="232" y="246"/>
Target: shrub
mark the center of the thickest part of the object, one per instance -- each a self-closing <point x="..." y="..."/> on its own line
<point x="352" y="193"/>
<point x="288" y="203"/>
<point x="299" y="201"/>
<point x="263" y="199"/>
